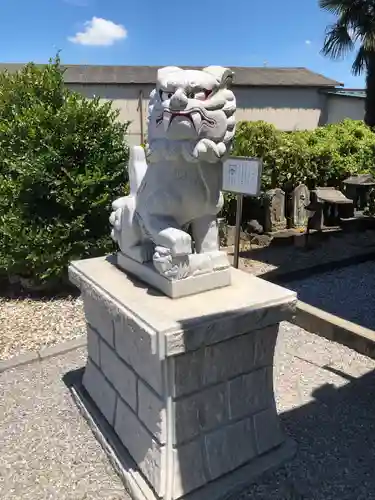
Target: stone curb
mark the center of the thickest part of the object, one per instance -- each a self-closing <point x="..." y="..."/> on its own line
<point x="22" y="359"/>
<point x="42" y="354"/>
<point x="334" y="328"/>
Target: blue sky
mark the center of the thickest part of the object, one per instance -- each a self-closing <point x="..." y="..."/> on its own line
<point x="201" y="32"/>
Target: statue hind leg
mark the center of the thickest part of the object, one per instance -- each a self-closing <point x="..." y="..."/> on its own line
<point x="126" y="231"/>
<point x="206" y="234"/>
<point x="206" y="238"/>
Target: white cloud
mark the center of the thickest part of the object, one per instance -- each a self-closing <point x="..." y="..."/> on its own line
<point x="308" y="42"/>
<point x="99" y="31"/>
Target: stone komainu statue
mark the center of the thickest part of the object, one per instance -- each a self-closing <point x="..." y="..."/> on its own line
<point x="169" y="218"/>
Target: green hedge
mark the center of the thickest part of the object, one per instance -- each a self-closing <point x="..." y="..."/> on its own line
<point x="321" y="157"/>
<point x="62" y="162"/>
<point x="324" y="156"/>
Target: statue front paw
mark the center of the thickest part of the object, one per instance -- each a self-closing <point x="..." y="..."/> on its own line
<point x="207" y="150"/>
<point x="119" y="203"/>
<point x="177" y="241"/>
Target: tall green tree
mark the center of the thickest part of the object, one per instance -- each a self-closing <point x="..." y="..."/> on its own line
<point x="354" y="27"/>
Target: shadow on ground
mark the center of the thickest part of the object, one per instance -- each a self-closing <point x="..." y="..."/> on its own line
<point x="335" y="435"/>
<point x="347" y="292"/>
<point x="15" y="291"/>
<point x="326" y="251"/>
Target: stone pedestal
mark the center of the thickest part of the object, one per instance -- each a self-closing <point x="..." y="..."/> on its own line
<point x="186" y="384"/>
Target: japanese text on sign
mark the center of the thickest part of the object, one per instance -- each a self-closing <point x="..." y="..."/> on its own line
<point x="242" y="175"/>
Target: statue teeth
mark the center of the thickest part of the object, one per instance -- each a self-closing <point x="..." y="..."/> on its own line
<point x="197" y="120"/>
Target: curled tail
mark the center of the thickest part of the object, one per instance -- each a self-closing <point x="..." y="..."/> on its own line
<point x="123" y="208"/>
<point x="137" y="168"/>
<point x="125" y="229"/>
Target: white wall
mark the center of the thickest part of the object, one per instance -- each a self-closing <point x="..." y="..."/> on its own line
<point x="286" y="107"/>
<point x="126" y="99"/>
<point x="340" y="107"/>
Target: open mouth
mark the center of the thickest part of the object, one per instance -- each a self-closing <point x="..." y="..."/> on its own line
<point x="196" y="117"/>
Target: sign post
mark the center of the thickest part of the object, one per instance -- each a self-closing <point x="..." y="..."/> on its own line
<point x="242" y="176"/>
<point x="238" y="230"/>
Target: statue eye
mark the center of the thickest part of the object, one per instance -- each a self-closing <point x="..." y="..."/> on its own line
<point x="164" y="96"/>
<point x="200" y="95"/>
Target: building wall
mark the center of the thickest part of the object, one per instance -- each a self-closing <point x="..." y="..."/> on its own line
<point x="287" y="108"/>
<point x="340" y="107"/>
<point x="126" y="98"/>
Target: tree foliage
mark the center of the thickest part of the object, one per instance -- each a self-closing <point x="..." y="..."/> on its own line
<point x="324" y="156"/>
<point x="62" y="162"/>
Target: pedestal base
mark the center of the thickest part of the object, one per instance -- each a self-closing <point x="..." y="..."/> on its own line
<point x="174" y="288"/>
<point x="132" y="476"/>
<point x="186" y="385"/>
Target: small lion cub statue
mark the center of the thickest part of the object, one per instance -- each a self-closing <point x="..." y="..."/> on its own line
<point x="169" y="220"/>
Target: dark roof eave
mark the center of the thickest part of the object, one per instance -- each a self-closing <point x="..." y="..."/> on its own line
<point x="321" y="88"/>
<point x="353" y="94"/>
<point x="145" y="75"/>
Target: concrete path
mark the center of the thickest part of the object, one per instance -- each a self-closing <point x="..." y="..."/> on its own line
<point x="325" y="395"/>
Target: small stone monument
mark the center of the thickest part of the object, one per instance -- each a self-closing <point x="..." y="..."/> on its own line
<point x="335" y="205"/>
<point x="357" y="188"/>
<point x="179" y="391"/>
<point x="274" y="203"/>
<point x="300" y="199"/>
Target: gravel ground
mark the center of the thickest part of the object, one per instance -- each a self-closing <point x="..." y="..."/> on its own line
<point x="348" y="292"/>
<point x="324" y="393"/>
<point x="28" y="325"/>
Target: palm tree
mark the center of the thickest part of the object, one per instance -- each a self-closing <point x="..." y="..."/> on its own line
<point x="355" y="24"/>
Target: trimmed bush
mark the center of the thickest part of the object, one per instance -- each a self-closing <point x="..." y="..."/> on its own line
<point x="62" y="162"/>
<point x="324" y="156"/>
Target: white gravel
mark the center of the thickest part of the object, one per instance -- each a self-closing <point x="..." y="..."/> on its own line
<point x="324" y="392"/>
<point x="47" y="450"/>
<point x="29" y="324"/>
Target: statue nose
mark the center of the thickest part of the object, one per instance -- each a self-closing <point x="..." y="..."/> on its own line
<point x="178" y="101"/>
